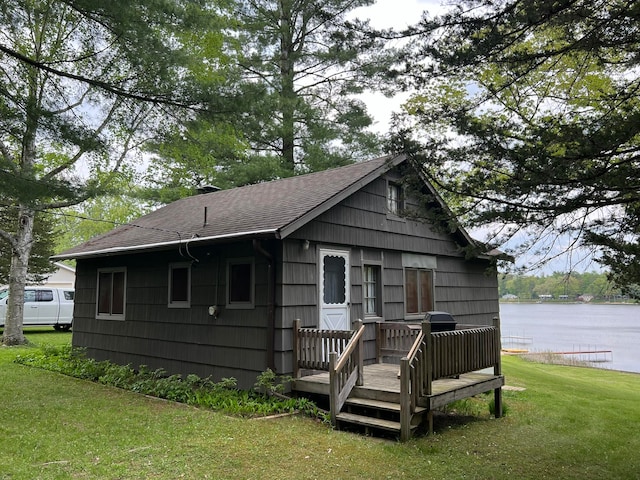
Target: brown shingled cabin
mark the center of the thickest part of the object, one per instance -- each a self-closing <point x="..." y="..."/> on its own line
<point x="213" y="284"/>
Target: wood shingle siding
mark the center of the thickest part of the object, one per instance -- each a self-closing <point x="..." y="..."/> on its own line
<point x="462" y="287"/>
<point x="362" y="220"/>
<point x="152" y="333"/>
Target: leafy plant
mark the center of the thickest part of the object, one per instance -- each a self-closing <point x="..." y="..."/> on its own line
<point x="269" y="383"/>
<point x="266" y="399"/>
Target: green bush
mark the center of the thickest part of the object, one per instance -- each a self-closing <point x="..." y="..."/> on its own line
<point x="265" y="399"/>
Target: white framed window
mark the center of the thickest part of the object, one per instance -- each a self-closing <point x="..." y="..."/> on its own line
<point x="371" y="291"/>
<point x="240" y="283"/>
<point x="179" y="285"/>
<point x="111" y="293"/>
<point x="394" y="198"/>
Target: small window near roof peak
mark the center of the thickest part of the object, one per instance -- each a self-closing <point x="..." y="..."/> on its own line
<point x="394" y="198"/>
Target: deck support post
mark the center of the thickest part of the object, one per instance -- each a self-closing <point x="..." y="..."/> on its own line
<point x="333" y="388"/>
<point x="360" y="354"/>
<point x="428" y="340"/>
<point x="497" y="370"/>
<point x="405" y="400"/>
<point x="296" y="347"/>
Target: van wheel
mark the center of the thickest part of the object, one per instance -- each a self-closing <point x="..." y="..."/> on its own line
<point x="62" y="328"/>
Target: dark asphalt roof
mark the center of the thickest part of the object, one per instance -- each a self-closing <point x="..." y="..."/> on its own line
<point x="275" y="208"/>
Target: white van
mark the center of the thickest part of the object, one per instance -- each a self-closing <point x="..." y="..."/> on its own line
<point x="43" y="306"/>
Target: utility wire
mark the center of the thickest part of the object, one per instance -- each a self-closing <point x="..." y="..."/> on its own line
<point x="181" y="235"/>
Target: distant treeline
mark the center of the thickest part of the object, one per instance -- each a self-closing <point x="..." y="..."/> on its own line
<point x="562" y="286"/>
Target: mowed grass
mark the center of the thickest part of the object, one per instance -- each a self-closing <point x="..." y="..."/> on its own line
<point x="570" y="422"/>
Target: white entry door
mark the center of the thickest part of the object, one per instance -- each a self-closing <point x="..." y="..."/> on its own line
<point x="334" y="290"/>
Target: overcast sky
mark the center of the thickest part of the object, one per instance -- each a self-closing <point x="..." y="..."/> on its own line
<point x="399" y="13"/>
<point x="396" y="14"/>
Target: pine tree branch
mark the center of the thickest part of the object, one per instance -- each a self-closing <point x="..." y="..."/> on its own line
<point x="7" y="237"/>
<point x="105" y="86"/>
<point x="7" y="156"/>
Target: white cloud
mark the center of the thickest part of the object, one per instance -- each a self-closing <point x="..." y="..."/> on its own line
<point x="397" y="14"/>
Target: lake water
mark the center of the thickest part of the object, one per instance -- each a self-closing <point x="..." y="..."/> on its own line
<point x="575" y="327"/>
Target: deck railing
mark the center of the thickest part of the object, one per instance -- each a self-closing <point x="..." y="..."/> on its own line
<point x="445" y="354"/>
<point x="461" y="351"/>
<point x="312" y="346"/>
<point x="394" y="339"/>
<point x="337" y="351"/>
<point x="426" y="356"/>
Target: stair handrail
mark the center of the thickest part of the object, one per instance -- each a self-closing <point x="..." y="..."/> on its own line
<point x="415" y="378"/>
<point x="345" y="371"/>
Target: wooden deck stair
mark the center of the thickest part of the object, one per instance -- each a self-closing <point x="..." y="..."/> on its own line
<point x="375" y="414"/>
<point x="373" y="407"/>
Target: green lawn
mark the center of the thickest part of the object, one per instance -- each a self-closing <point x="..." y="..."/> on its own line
<point x="570" y="422"/>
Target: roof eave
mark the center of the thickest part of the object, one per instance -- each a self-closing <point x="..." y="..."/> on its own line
<point x="495" y="253"/>
<point x="271" y="233"/>
<point x="461" y="230"/>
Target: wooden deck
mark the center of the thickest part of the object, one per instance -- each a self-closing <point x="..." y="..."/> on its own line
<point x="435" y="368"/>
<point x="381" y="382"/>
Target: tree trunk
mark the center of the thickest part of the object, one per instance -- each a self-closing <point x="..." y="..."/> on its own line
<point x="22" y="240"/>
<point x="13" y="331"/>
<point x="287" y="93"/>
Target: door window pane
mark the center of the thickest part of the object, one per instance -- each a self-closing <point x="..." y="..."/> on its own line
<point x="44" y="295"/>
<point x="334" y="280"/>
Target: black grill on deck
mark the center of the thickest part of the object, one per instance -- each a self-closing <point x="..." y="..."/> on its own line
<point x="440" y="321"/>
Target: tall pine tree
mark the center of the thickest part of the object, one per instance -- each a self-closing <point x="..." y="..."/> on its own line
<point x="295" y="74"/>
